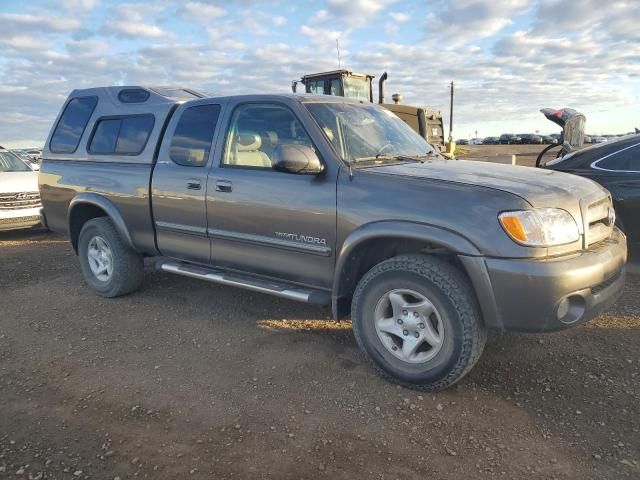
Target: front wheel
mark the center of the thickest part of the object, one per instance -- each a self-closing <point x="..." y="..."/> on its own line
<point x="418" y="321"/>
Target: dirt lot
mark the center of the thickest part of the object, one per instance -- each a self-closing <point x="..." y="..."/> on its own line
<point x="525" y="154"/>
<point x="184" y="379"/>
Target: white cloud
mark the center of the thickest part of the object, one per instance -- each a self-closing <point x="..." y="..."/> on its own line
<point x="200" y="12"/>
<point x="76" y="5"/>
<point x="320" y="36"/>
<point x="219" y="38"/>
<point x="279" y="20"/>
<point x="391" y="28"/>
<point x="617" y="20"/>
<point x="319" y="16"/>
<point x="21" y="22"/>
<point x="353" y="13"/>
<point x="25" y="42"/>
<point x="575" y="16"/>
<point x="400" y="16"/>
<point x="134" y="29"/>
<point x="461" y="21"/>
<point x="129" y="20"/>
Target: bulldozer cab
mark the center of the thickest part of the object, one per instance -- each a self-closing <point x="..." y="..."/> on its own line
<point x="426" y="121"/>
<point x="342" y="83"/>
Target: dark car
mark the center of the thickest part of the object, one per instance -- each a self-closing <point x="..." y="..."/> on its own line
<point x="462" y="141"/>
<point x="491" y="141"/>
<point x="549" y="140"/>
<point x="535" y="140"/>
<point x="525" y="138"/>
<point x="616" y="166"/>
<point x="508" y="138"/>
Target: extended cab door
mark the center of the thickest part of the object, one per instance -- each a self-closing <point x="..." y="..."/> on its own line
<point x="179" y="181"/>
<point x="267" y="222"/>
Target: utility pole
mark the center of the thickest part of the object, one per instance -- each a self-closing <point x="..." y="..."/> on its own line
<point x="451" y="115"/>
<point x="338" y="49"/>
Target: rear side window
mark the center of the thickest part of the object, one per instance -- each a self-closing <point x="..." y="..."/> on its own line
<point x="623" y="161"/>
<point x="191" y="142"/>
<point x="105" y="136"/>
<point x="71" y="125"/>
<point x="121" y="135"/>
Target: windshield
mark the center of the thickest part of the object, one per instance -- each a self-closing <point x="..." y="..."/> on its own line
<point x="367" y="132"/>
<point x="10" y="162"/>
<point x="356" y="87"/>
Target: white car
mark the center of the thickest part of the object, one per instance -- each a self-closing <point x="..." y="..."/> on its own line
<point x="31" y="162"/>
<point x="20" y="205"/>
<point x="475" y="141"/>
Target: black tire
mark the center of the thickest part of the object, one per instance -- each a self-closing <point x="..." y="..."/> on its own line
<point x="450" y="293"/>
<point x="127" y="265"/>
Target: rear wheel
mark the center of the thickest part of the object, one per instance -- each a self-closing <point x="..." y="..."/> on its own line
<point x="418" y="322"/>
<point x="107" y="263"/>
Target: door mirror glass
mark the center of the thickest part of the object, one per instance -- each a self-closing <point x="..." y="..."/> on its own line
<point x="293" y="158"/>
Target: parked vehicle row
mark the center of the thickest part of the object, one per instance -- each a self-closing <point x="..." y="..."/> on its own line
<point x="509" y="138"/>
<point x="532" y="139"/>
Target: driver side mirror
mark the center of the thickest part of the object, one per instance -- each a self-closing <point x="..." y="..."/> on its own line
<point x="293" y="158"/>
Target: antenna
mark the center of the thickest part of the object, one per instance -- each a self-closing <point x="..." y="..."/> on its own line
<point x="338" y="49"/>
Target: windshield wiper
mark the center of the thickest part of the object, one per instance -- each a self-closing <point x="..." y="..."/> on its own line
<point x="422" y="157"/>
<point x="374" y="158"/>
<point x="382" y="158"/>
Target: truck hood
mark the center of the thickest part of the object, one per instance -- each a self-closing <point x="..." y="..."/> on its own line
<point x="16" y="182"/>
<point x="541" y="188"/>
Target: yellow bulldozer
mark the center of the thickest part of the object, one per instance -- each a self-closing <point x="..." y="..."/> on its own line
<point x="345" y="83"/>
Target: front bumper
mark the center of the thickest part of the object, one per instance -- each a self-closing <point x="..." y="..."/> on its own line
<point x="551" y="294"/>
<point x="21" y="218"/>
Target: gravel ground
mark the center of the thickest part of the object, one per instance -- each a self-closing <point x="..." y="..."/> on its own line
<point x="525" y="154"/>
<point x="185" y="379"/>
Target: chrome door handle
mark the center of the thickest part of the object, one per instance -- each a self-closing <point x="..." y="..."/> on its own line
<point x="193" y="184"/>
<point x="224" y="186"/>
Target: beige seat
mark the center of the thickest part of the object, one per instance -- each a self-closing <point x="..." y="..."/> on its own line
<point x="247" y="151"/>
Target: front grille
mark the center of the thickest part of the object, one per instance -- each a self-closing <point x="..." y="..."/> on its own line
<point x="597" y="219"/>
<point x="607" y="283"/>
<point x="19" y="200"/>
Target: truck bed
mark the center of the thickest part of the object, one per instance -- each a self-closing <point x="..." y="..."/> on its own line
<point x="124" y="184"/>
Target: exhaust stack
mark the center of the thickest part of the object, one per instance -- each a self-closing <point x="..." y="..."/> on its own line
<point x="383" y="78"/>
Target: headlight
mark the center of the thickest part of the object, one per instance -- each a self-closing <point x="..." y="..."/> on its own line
<point x="540" y="227"/>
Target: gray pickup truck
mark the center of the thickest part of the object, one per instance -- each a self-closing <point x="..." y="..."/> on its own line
<point x="333" y="202"/>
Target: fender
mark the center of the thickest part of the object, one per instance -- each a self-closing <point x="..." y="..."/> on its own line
<point x="437" y="236"/>
<point x="109" y="208"/>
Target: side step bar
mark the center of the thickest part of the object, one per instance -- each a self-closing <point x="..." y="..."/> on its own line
<point x="256" y="284"/>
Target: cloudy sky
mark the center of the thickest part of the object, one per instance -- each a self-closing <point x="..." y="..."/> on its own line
<point x="508" y="58"/>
